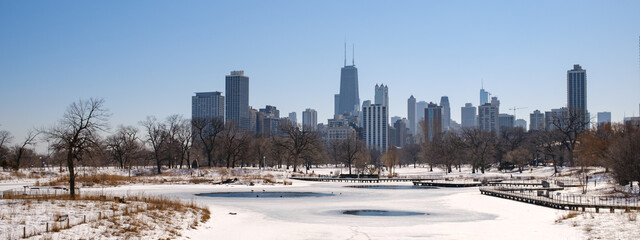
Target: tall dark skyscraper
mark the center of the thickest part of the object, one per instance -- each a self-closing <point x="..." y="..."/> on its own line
<point x="237" y="104"/>
<point x="433" y="121"/>
<point x="349" y="99"/>
<point x="577" y="90"/>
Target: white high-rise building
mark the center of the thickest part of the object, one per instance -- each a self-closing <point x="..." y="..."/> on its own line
<point x="446" y="113"/>
<point x="207" y="105"/>
<point x="309" y="119"/>
<point x="375" y="125"/>
<point x="382" y="95"/>
<point x="411" y="114"/>
<point x="488" y="118"/>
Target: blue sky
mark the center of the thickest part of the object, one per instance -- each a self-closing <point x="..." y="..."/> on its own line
<point x="149" y="57"/>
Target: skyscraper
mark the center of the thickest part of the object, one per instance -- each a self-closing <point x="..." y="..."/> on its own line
<point x="237" y="105"/>
<point x="505" y="121"/>
<point x="433" y="121"/>
<point x="269" y="122"/>
<point x="488" y="115"/>
<point x="375" y="125"/>
<point x="382" y="95"/>
<point x="411" y="114"/>
<point x="604" y="117"/>
<point x="521" y="123"/>
<point x="469" y="118"/>
<point x="293" y="118"/>
<point x="349" y="96"/>
<point x="207" y="105"/>
<point x="309" y="119"/>
<point x="553" y="115"/>
<point x="577" y="91"/>
<point x="536" y="121"/>
<point x="399" y="134"/>
<point x="446" y="113"/>
<point x="484" y="96"/>
<point x="420" y="107"/>
<point x="336" y="104"/>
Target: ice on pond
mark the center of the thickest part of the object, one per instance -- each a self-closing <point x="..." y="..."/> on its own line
<point x="264" y="194"/>
<point x="385" y="213"/>
<point x="391" y="187"/>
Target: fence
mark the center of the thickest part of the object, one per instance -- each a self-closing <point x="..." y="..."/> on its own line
<point x="570" y="201"/>
<point x="65" y="222"/>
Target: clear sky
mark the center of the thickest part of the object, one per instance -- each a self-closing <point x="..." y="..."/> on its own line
<point x="149" y="57"/>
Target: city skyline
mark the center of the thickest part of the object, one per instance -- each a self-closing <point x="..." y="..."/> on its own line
<point x="156" y="64"/>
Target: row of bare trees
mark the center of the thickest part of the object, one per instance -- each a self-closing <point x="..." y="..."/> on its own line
<point x="176" y="142"/>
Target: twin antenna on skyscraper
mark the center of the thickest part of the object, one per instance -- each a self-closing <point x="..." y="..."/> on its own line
<point x="353" y="54"/>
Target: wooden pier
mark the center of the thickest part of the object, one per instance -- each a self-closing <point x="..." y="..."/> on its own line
<point x="567" y="201"/>
<point x="446" y="184"/>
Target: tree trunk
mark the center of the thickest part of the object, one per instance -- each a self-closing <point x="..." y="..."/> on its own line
<point x="158" y="163"/>
<point x="72" y="174"/>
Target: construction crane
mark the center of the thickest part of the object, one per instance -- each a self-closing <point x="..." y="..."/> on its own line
<point x="514" y="111"/>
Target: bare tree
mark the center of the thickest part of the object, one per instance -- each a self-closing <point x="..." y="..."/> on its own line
<point x="77" y="129"/>
<point x="5" y="138"/>
<point x="412" y="154"/>
<point x="206" y="131"/>
<point x="298" y="141"/>
<point x="390" y="159"/>
<point x="234" y="142"/>
<point x="519" y="157"/>
<point x="157" y="137"/>
<point x="352" y="150"/>
<point x="445" y="150"/>
<point x="570" y="124"/>
<point x="19" y="149"/>
<point x="548" y="143"/>
<point x="333" y="149"/>
<point x="184" y="137"/>
<point x="508" y="140"/>
<point x="624" y="157"/>
<point x="123" y="146"/>
<point x="481" y="146"/>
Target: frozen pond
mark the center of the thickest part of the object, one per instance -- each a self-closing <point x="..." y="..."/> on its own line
<point x="371" y="211"/>
<point x="264" y="194"/>
<point x="391" y="187"/>
<point x="381" y="213"/>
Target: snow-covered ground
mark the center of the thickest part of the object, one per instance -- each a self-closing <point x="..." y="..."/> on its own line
<point x="451" y="213"/>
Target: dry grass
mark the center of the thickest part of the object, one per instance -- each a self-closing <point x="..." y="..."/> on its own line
<point x="91" y="180"/>
<point x="128" y="217"/>
<point x="632" y="217"/>
<point x="567" y="216"/>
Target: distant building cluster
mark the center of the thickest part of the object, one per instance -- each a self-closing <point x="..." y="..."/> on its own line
<point x="370" y="121"/>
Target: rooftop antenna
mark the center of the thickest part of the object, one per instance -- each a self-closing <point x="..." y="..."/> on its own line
<point x="482" y="83"/>
<point x="353" y="55"/>
<point x="345" y="52"/>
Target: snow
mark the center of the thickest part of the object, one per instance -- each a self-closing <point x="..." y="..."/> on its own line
<point x="453" y="213"/>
